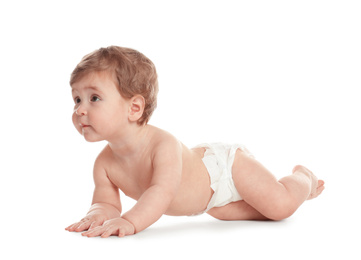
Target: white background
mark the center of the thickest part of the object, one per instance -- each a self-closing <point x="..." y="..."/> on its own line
<point x="281" y="77"/>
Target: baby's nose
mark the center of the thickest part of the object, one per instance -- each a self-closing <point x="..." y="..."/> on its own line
<point x="81" y="110"/>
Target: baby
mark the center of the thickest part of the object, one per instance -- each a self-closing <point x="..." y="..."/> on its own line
<point x="115" y="93"/>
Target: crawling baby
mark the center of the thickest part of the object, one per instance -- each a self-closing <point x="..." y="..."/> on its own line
<point x="115" y="93"/>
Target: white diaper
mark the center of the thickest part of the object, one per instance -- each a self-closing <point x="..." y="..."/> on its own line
<point x="218" y="159"/>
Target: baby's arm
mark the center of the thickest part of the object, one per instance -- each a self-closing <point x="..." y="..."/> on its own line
<point x="154" y="202"/>
<point x="167" y="167"/>
<point x="106" y="203"/>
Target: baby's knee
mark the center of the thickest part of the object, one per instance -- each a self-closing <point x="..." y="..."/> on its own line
<point x="280" y="210"/>
<point x="277" y="216"/>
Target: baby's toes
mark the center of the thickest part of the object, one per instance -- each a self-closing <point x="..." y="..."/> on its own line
<point x="318" y="191"/>
<point x="320" y="183"/>
<point x="320" y="187"/>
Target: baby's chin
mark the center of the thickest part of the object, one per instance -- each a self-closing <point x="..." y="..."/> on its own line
<point x="91" y="138"/>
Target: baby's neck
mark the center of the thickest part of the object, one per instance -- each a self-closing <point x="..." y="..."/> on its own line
<point x="133" y="144"/>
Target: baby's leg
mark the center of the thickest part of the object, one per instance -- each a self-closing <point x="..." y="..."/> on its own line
<point x="273" y="199"/>
<point x="239" y="210"/>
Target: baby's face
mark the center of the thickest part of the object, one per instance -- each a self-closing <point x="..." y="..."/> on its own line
<point x="100" y="112"/>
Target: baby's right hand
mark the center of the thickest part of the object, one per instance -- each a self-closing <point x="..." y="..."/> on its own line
<point x="89" y="222"/>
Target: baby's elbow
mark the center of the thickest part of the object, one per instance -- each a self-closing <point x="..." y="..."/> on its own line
<point x="168" y="193"/>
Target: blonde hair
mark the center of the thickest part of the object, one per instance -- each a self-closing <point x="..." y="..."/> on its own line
<point x="133" y="73"/>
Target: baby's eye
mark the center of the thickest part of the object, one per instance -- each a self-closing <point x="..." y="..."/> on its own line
<point x="94" y="99"/>
<point x="77" y="100"/>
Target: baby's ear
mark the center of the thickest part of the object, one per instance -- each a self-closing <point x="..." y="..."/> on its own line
<point x="136" y="108"/>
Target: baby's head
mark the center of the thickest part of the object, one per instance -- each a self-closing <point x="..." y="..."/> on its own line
<point x="132" y="72"/>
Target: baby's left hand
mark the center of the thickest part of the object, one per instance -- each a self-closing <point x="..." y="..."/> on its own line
<point x="115" y="226"/>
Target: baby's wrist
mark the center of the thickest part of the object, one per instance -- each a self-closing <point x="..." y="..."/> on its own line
<point x="96" y="208"/>
<point x="131" y="224"/>
<point x="105" y="209"/>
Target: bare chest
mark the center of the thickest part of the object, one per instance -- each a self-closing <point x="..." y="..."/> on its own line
<point x="132" y="180"/>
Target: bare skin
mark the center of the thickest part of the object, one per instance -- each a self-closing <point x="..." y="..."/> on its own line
<point x="271" y="199"/>
<point x="164" y="176"/>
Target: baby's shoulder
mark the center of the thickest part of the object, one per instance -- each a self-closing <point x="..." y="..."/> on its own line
<point x="104" y="157"/>
<point x="164" y="145"/>
<point x="162" y="139"/>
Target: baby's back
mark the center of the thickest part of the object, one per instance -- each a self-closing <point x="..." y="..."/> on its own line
<point x="195" y="192"/>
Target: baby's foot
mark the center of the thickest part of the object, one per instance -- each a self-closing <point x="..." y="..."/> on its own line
<point x="317" y="185"/>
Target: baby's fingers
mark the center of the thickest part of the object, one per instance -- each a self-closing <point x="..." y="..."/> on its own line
<point x="94" y="232"/>
<point x="69" y="227"/>
<point x="79" y="226"/>
<point x="83" y="226"/>
<point x="107" y="233"/>
<point x="102" y="231"/>
<point x="73" y="226"/>
<point x="95" y="224"/>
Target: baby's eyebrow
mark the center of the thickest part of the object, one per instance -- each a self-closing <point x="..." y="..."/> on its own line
<point x="88" y="87"/>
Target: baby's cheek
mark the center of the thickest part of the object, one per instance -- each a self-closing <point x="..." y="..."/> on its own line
<point x="76" y="123"/>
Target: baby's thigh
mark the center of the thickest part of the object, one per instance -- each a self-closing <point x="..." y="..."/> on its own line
<point x="239" y="210"/>
<point x="250" y="177"/>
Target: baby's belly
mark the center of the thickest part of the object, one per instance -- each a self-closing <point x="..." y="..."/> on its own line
<point x="195" y="191"/>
